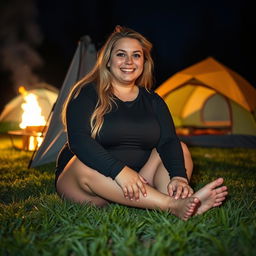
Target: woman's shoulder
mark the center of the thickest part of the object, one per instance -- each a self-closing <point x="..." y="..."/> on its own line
<point x="86" y="91"/>
<point x="85" y="95"/>
<point x="150" y="93"/>
<point x="89" y="89"/>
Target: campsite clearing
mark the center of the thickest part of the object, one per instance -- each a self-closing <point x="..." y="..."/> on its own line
<point x="35" y="221"/>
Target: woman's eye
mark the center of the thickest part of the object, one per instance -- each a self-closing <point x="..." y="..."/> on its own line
<point x="136" y="55"/>
<point x="120" y="54"/>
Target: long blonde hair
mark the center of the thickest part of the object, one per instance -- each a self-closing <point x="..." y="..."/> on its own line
<point x="101" y="76"/>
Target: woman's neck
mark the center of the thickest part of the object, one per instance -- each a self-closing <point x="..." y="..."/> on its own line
<point x="126" y="93"/>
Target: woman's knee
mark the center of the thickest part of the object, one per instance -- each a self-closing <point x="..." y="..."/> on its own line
<point x="156" y="156"/>
<point x="84" y="178"/>
<point x="75" y="174"/>
<point x="188" y="160"/>
<point x="149" y="169"/>
<point x="185" y="149"/>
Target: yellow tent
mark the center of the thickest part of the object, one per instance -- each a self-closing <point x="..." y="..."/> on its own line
<point x="208" y="97"/>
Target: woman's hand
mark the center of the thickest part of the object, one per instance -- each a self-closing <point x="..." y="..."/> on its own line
<point x="131" y="183"/>
<point x="179" y="188"/>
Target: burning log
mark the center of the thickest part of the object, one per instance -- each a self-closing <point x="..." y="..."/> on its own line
<point x="33" y="137"/>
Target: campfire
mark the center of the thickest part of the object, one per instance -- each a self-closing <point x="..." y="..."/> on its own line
<point x="33" y="122"/>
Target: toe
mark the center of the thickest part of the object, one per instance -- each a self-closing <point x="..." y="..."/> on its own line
<point x="220" y="199"/>
<point x="221" y="189"/>
<point x="195" y="200"/>
<point x="223" y="194"/>
<point x="217" y="204"/>
<point x="215" y="183"/>
<point x="219" y="181"/>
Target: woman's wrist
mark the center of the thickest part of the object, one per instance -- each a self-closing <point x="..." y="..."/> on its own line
<point x="182" y="179"/>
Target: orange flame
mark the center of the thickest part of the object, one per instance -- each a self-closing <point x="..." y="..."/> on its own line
<point x="32" y="116"/>
<point x="31" y="110"/>
<point x="23" y="91"/>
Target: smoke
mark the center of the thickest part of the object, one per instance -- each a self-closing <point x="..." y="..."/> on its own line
<point x="19" y="37"/>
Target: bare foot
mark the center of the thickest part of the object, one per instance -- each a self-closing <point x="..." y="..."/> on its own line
<point x="211" y="195"/>
<point x="184" y="208"/>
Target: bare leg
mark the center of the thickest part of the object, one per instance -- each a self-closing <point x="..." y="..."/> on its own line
<point x="187" y="160"/>
<point x="157" y="175"/>
<point x="149" y="170"/>
<point x="81" y="184"/>
<point x="211" y="195"/>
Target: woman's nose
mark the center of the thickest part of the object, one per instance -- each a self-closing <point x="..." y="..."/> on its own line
<point x="128" y="59"/>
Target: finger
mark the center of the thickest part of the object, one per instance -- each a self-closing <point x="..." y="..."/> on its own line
<point x="191" y="192"/>
<point x="130" y="191"/>
<point x="170" y="190"/>
<point x="184" y="192"/>
<point x="142" y="188"/>
<point x="143" y="179"/>
<point x="136" y="192"/>
<point x="179" y="191"/>
<point x="125" y="192"/>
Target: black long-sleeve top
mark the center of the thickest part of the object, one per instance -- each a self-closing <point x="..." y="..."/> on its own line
<point x="129" y="133"/>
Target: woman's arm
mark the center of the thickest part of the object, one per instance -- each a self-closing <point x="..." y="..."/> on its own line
<point x="169" y="147"/>
<point x="87" y="149"/>
<point x="170" y="151"/>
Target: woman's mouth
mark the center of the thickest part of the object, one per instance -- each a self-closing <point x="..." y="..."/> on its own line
<point x="127" y="70"/>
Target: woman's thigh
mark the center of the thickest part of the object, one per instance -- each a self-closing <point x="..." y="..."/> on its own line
<point x="155" y="173"/>
<point x="71" y="184"/>
<point x="155" y="165"/>
<point x="149" y="169"/>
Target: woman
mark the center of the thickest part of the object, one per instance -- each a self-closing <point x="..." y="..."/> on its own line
<point x="122" y="146"/>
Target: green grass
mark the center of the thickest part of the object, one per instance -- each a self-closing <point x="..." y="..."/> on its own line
<point x="35" y="221"/>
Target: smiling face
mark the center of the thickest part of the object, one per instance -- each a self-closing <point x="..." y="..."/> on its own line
<point x="126" y="61"/>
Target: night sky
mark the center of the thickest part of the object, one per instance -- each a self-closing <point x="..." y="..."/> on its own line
<point x="38" y="38"/>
